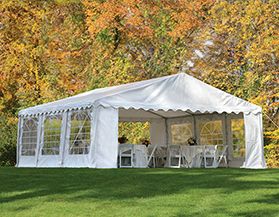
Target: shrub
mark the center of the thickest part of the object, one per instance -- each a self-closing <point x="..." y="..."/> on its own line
<point x="272" y="155"/>
<point x="8" y="137"/>
<point x="8" y="155"/>
<point x="272" y="150"/>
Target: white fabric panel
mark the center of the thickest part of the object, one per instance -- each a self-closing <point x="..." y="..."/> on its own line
<point x="19" y="143"/>
<point x="72" y="160"/>
<point x="238" y="161"/>
<point x="106" y="138"/>
<point x="172" y="121"/>
<point x="63" y="137"/>
<point x="18" y="140"/>
<point x="76" y="161"/>
<point x="39" y="149"/>
<point x="87" y="99"/>
<point x="229" y="137"/>
<point x="254" y="157"/>
<point x="53" y="160"/>
<point x="158" y="132"/>
<point x="27" y="161"/>
<point x="39" y="138"/>
<point x="140" y="114"/>
<point x="175" y="92"/>
<point x="93" y="133"/>
<point x="65" y="158"/>
<point x="24" y="161"/>
<point x="49" y="161"/>
<point x="134" y="114"/>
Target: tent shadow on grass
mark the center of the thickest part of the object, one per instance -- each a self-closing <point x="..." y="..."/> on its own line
<point x="124" y="184"/>
<point x="269" y="199"/>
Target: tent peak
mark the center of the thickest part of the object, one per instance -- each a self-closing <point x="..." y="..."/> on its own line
<point x="176" y="92"/>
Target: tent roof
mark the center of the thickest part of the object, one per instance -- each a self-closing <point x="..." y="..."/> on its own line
<point x="175" y="92"/>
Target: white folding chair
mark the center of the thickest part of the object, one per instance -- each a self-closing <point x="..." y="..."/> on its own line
<point x="174" y="156"/>
<point x="210" y="156"/>
<point x="161" y="156"/>
<point x="192" y="156"/>
<point x="140" y="156"/>
<point x="198" y="157"/>
<point x="126" y="155"/>
<point x="151" y="155"/>
<point x="221" y="155"/>
<point x="186" y="156"/>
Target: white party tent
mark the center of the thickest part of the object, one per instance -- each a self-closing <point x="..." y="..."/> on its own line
<point x="48" y="133"/>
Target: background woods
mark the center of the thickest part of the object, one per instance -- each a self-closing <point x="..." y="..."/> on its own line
<point x="54" y="49"/>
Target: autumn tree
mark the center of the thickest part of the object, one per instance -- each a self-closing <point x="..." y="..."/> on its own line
<point x="43" y="50"/>
<point x="142" y="39"/>
<point x="240" y="49"/>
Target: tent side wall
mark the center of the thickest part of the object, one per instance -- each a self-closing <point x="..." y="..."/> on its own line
<point x="25" y="160"/>
<point x="68" y="159"/>
<point x="104" y="145"/>
<point x="158" y="132"/>
<point x="18" y="140"/>
<point x="254" y="157"/>
<point x="104" y="151"/>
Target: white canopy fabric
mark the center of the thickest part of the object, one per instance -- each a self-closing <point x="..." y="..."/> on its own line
<point x="175" y="93"/>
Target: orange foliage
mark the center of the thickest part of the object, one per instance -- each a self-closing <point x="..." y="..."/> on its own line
<point x="135" y="18"/>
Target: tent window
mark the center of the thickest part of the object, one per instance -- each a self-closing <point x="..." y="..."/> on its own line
<point x="29" y="137"/>
<point x="211" y="133"/>
<point x="52" y="131"/>
<point x="80" y="132"/>
<point x="238" y="141"/>
<point x="181" y="133"/>
<point x="135" y="132"/>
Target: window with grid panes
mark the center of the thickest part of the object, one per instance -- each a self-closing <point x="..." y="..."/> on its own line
<point x="180" y="133"/>
<point x="238" y="140"/>
<point x="80" y="132"/>
<point x="29" y="136"/>
<point x="52" y="131"/>
<point x="211" y="133"/>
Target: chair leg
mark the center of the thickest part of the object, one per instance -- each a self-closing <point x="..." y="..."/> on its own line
<point x="225" y="158"/>
<point x="120" y="165"/>
<point x="179" y="162"/>
<point x="168" y="163"/>
<point x="215" y="162"/>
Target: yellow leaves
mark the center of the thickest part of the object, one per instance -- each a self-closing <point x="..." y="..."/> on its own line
<point x="248" y="26"/>
<point x="17" y="47"/>
<point x="139" y="19"/>
<point x="272" y="149"/>
<point x="126" y="16"/>
<point x="272" y="135"/>
<point x="8" y="95"/>
<point x="12" y="120"/>
<point x="272" y="155"/>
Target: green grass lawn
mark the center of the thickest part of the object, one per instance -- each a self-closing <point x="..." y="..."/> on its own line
<point x="139" y="192"/>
